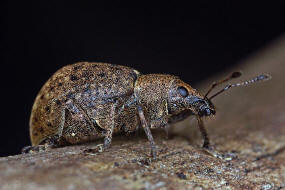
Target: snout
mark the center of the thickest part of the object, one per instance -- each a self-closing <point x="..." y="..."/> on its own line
<point x="206" y="112"/>
<point x="203" y="107"/>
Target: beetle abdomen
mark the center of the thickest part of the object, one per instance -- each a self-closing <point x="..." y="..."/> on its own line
<point x="83" y="83"/>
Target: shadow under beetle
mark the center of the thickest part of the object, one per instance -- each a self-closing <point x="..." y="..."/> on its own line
<point x="85" y="101"/>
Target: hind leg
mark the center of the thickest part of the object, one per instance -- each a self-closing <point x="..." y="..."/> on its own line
<point x="48" y="143"/>
<point x="107" y="123"/>
<point x="51" y="141"/>
<point x="74" y="127"/>
<point x="78" y="126"/>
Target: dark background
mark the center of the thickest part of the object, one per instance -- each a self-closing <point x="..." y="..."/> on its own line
<point x="193" y="41"/>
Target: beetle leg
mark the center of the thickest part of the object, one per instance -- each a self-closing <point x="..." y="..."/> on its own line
<point x="203" y="131"/>
<point x="28" y="149"/>
<point x="109" y="132"/>
<point x="50" y="142"/>
<point x="166" y="130"/>
<point x="206" y="144"/>
<point x="108" y="125"/>
<point x="147" y="131"/>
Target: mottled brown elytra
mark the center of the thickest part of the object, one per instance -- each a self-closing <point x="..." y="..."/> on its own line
<point x="86" y="101"/>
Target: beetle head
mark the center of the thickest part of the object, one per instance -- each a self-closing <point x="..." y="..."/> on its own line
<point x="183" y="97"/>
<point x="153" y="89"/>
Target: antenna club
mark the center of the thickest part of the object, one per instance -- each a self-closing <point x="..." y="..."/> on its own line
<point x="263" y="77"/>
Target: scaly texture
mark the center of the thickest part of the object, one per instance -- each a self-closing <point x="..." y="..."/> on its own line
<point x="249" y="126"/>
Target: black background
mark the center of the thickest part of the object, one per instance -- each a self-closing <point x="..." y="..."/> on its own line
<point x="192" y="40"/>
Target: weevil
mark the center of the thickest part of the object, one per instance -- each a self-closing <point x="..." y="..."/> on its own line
<point x="86" y="101"/>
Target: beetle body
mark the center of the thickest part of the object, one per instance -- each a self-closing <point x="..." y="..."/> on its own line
<point x="86" y="101"/>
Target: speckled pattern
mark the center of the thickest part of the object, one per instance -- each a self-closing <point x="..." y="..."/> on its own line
<point x="86" y="101"/>
<point x="249" y="126"/>
<point x="78" y="95"/>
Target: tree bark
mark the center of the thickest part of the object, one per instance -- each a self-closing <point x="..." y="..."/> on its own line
<point x="248" y="130"/>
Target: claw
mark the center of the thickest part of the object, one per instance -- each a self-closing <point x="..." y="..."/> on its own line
<point x="153" y="152"/>
<point x="98" y="148"/>
<point x="30" y="149"/>
<point x="222" y="156"/>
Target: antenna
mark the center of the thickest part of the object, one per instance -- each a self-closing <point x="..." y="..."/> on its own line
<point x="235" y="74"/>
<point x="262" y="77"/>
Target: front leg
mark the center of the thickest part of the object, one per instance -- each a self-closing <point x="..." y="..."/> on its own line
<point x="203" y="131"/>
<point x="206" y="145"/>
<point x="147" y="132"/>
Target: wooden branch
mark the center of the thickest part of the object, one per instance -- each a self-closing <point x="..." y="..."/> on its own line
<point x="248" y="130"/>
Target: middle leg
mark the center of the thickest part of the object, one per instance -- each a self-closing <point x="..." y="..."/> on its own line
<point x="147" y="131"/>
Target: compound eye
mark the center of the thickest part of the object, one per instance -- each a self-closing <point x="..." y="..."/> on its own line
<point x="183" y="91"/>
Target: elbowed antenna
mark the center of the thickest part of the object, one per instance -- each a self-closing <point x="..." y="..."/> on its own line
<point x="262" y="77"/>
<point x="235" y="74"/>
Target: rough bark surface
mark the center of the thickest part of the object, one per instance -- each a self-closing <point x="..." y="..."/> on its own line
<point x="249" y="128"/>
